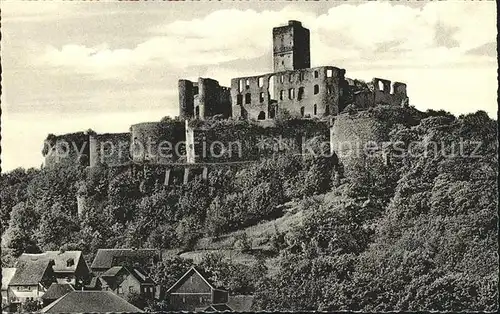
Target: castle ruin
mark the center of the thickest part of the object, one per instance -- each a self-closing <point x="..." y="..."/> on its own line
<point x="293" y="90"/>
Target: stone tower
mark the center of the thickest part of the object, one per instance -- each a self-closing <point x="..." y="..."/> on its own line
<point x="291" y="47"/>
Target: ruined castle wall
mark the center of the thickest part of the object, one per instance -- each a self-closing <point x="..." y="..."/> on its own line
<point x="351" y="135"/>
<point x="158" y="142"/>
<point x="186" y="98"/>
<point x="301" y="93"/>
<point x="230" y="141"/>
<point x="204" y="98"/>
<point x="384" y="95"/>
<point x="111" y="149"/>
<point x="66" y="149"/>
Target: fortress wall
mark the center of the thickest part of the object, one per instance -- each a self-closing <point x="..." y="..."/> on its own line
<point x="156" y="142"/>
<point x="229" y="141"/>
<point x="302" y="93"/>
<point x="384" y="94"/>
<point x="111" y="149"/>
<point x="351" y="134"/>
<point x="67" y="149"/>
<point x="204" y="98"/>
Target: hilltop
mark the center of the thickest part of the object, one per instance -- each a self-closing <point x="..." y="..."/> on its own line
<point x="395" y="231"/>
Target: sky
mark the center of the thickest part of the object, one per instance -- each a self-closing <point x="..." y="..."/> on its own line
<point x="71" y="66"/>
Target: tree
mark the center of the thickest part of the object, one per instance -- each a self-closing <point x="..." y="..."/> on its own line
<point x="167" y="271"/>
<point x="57" y="227"/>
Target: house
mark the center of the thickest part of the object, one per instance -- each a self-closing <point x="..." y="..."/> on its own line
<point x="55" y="291"/>
<point x="30" y="281"/>
<point x="69" y="266"/>
<point x="124" y="281"/>
<point x="135" y="258"/>
<point x="90" y="302"/>
<point x="7" y="274"/>
<point x="193" y="291"/>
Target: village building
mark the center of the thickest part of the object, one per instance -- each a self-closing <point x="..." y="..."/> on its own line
<point x="69" y="266"/>
<point x="194" y="291"/>
<point x="90" y="302"/>
<point x="133" y="258"/>
<point x="30" y="281"/>
<point x="125" y="282"/>
<point x="7" y="274"/>
<point x="55" y="291"/>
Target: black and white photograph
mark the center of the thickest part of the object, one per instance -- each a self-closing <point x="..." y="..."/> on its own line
<point x="249" y="156"/>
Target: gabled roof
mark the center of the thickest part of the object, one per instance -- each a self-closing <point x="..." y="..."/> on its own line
<point x="141" y="277"/>
<point x="192" y="270"/>
<point x="7" y="274"/>
<point x="104" y="257"/>
<point x="65" y="261"/>
<point x="90" y="301"/>
<point x="29" y="273"/>
<point x="57" y="290"/>
<point x="137" y="274"/>
<point x="113" y="271"/>
<point x="223" y="307"/>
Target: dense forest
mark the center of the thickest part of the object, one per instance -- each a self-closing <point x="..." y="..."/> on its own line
<point x="416" y="233"/>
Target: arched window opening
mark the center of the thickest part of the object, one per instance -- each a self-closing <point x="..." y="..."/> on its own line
<point x="315" y="109"/>
<point x="316" y="89"/>
<point x="302" y="111"/>
<point x="262" y="116"/>
<point x="248" y="98"/>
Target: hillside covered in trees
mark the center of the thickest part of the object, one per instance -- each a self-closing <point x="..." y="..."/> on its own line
<point x="416" y="233"/>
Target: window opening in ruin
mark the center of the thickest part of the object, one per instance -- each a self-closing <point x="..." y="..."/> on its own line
<point x="247" y="84"/>
<point x="316" y="89"/>
<point x="197" y="111"/>
<point x="272" y="112"/>
<point x="330" y="90"/>
<point x="282" y="94"/>
<point x="282" y="78"/>
<point x="315" y="109"/>
<point x="301" y="76"/>
<point x="316" y="74"/>
<point x="291" y="93"/>
<point x="240" y="86"/>
<point x="270" y="87"/>
<point x="380" y="86"/>
<point x="302" y="110"/>
<point x="248" y="98"/>
<point x="392" y="88"/>
<point x="290" y="77"/>
<point x="261" y="81"/>
<point x="300" y="95"/>
<point x="195" y="90"/>
<point x="262" y="116"/>
<point x="239" y="99"/>
<point x="261" y="98"/>
<point x="329" y="73"/>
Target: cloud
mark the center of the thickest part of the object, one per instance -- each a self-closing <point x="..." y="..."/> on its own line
<point x="396" y="35"/>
